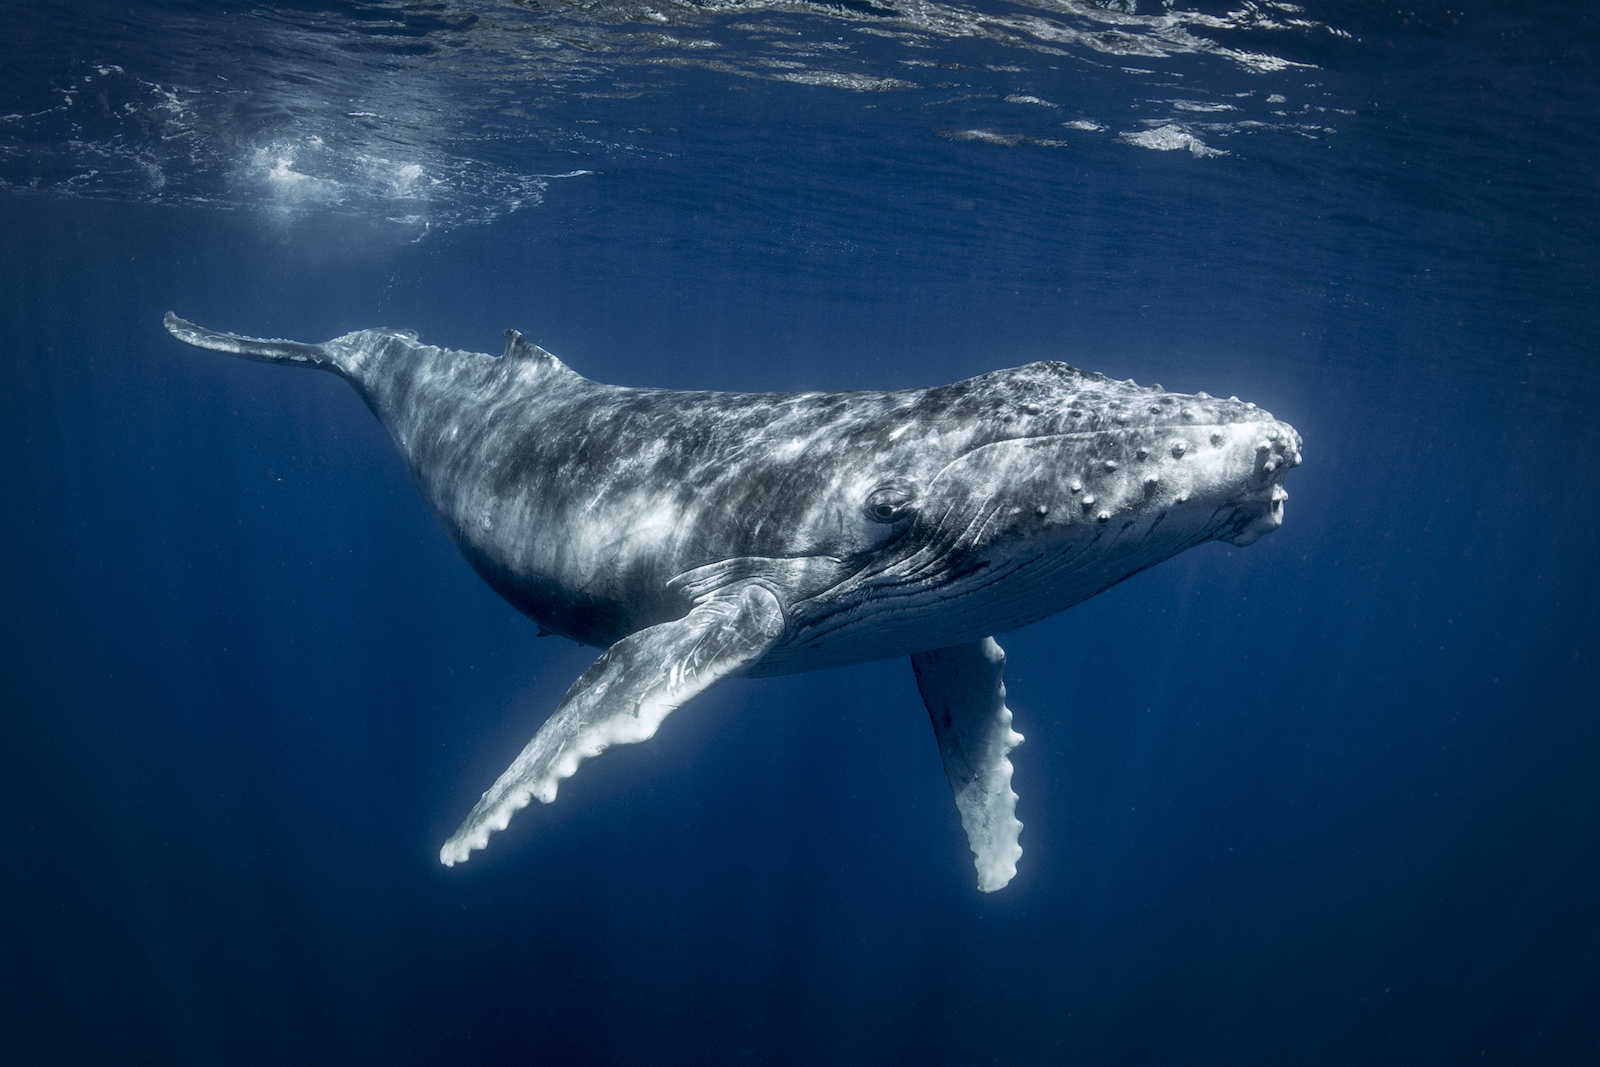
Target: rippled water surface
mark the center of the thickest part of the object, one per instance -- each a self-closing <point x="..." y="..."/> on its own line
<point x="432" y="114"/>
<point x="1330" y="799"/>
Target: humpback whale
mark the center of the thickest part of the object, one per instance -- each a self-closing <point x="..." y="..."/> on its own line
<point x="693" y="536"/>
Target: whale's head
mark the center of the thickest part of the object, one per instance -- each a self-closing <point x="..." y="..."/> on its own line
<point x="1012" y="496"/>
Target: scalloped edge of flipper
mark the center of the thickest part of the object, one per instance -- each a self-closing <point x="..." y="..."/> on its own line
<point x="623" y="698"/>
<point x="988" y="807"/>
<point x="964" y="689"/>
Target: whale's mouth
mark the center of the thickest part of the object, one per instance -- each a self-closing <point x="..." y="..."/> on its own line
<point x="1262" y="511"/>
<point x="1256" y="518"/>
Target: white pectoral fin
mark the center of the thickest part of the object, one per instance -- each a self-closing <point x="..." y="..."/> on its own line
<point x="623" y="698"/>
<point x="966" y="697"/>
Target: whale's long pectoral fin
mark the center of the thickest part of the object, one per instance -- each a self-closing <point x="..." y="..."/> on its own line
<point x="623" y="698"/>
<point x="966" y="697"/>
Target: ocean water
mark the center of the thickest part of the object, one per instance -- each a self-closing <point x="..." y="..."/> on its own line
<point x="1330" y="799"/>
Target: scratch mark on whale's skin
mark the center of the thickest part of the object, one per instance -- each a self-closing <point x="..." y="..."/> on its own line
<point x="699" y="535"/>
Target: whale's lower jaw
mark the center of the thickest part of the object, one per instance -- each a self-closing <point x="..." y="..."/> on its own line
<point x="889" y="622"/>
<point x="1257" y="518"/>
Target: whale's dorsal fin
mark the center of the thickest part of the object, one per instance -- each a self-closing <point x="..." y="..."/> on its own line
<point x="522" y="350"/>
<point x="519" y="347"/>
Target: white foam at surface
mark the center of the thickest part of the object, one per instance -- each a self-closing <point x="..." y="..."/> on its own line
<point x="1169" y="138"/>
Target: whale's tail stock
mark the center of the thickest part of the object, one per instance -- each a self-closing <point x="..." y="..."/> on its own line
<point x="355" y="357"/>
<point x="265" y="349"/>
<point x="350" y="356"/>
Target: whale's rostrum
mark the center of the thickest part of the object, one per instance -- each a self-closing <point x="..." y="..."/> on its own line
<point x="698" y="535"/>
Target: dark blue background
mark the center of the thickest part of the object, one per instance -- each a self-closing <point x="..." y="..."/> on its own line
<point x="1332" y="799"/>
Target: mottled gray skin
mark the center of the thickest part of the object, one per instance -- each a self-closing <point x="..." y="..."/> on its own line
<point x="882" y="523"/>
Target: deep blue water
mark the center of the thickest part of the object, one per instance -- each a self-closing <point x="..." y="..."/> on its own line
<point x="1331" y="799"/>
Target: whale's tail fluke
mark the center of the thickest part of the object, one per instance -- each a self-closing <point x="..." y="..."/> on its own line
<point x="265" y="349"/>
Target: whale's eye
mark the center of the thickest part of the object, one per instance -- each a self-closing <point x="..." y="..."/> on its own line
<point x="889" y="503"/>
